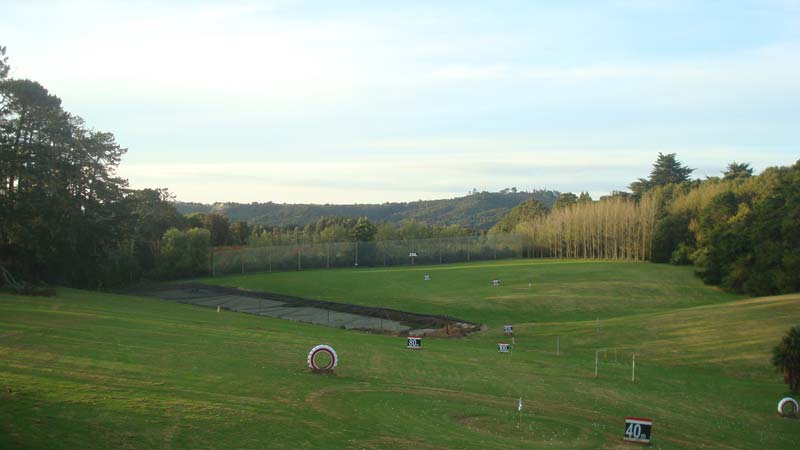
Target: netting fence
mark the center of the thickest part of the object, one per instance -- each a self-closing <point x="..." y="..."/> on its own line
<point x="366" y="254"/>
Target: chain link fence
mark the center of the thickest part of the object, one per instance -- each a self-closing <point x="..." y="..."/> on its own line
<point x="366" y="254"/>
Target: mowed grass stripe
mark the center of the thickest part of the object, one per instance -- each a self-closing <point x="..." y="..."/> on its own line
<point x="530" y="291"/>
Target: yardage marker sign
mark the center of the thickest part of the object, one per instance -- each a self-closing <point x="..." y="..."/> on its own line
<point x="638" y="430"/>
<point x="414" y="342"/>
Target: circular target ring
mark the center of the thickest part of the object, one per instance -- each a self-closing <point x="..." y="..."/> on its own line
<point x="325" y="350"/>
<point x="787" y="407"/>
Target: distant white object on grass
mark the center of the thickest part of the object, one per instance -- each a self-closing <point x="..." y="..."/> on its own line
<point x="503" y="348"/>
<point x="412" y="254"/>
<point x="519" y="404"/>
<point x="508" y="330"/>
<point x="414" y="342"/>
<point x="427" y="278"/>
<point x="495" y="283"/>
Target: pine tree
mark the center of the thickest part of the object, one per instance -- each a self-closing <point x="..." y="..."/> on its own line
<point x="786" y="358"/>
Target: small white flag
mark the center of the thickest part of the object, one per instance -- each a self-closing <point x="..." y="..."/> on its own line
<point x="519" y="404"/>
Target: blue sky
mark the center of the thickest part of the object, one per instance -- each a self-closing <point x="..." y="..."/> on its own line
<point x="342" y="102"/>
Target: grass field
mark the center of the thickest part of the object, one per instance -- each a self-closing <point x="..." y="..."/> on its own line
<point x="98" y="371"/>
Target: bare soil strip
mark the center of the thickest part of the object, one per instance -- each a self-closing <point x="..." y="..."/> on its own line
<point x="339" y="315"/>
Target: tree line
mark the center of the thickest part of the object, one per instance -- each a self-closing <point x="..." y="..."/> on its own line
<point x="740" y="231"/>
<point x="67" y="218"/>
<point x="476" y="210"/>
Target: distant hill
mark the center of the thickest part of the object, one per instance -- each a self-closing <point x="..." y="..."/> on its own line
<point x="480" y="210"/>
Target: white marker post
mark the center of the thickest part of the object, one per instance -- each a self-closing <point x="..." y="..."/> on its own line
<point x="596" y="361"/>
<point x="633" y="368"/>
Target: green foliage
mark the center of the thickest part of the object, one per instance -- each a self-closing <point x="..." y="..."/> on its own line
<point x="672" y="234"/>
<point x="682" y="255"/>
<point x="364" y="230"/>
<point x="4" y="67"/>
<point x="526" y="211"/>
<point x="786" y="358"/>
<point x="737" y="170"/>
<point x="477" y="211"/>
<point x="240" y="232"/>
<point x="666" y="170"/>
<point x="219" y="227"/>
<point x="742" y="233"/>
<point x="184" y="253"/>
<point x="61" y="208"/>
<point x="64" y="216"/>
<point x="566" y="199"/>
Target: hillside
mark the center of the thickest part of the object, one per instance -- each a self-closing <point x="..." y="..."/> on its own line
<point x="92" y="370"/>
<point x="477" y="211"/>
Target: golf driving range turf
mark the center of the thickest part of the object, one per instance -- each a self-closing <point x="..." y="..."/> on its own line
<point x="95" y="370"/>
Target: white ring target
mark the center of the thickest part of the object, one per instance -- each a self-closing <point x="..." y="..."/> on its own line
<point x="322" y="348"/>
<point x="787" y="407"/>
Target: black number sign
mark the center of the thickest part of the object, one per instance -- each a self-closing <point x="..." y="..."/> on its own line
<point x="414" y="342"/>
<point x="638" y="430"/>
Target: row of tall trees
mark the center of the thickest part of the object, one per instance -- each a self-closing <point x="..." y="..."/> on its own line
<point x="614" y="228"/>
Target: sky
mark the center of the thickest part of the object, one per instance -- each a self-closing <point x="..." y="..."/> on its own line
<point x="371" y="101"/>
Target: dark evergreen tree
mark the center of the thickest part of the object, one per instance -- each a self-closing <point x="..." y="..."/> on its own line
<point x="737" y="170"/>
<point x="666" y="170"/>
<point x="786" y="358"/>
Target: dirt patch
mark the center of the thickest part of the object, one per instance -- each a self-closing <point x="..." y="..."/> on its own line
<point x="339" y="315"/>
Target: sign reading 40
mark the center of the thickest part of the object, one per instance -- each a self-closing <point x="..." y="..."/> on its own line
<point x="638" y="430"/>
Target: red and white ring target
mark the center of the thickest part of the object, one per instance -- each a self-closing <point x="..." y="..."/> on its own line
<point x="321" y="350"/>
<point x="787" y="407"/>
